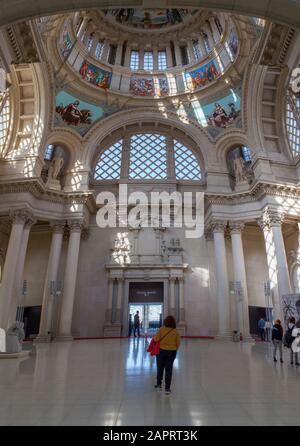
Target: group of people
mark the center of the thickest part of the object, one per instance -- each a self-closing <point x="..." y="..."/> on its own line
<point x="290" y="339"/>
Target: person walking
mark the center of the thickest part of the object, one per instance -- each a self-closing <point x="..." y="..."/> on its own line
<point x="169" y="339"/>
<point x="136" y="324"/>
<point x="262" y="327"/>
<point x="277" y="335"/>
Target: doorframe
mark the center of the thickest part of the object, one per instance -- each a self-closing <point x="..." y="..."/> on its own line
<point x="126" y="302"/>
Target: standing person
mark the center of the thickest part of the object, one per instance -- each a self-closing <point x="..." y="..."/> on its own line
<point x="262" y="327"/>
<point x="289" y="338"/>
<point x="169" y="339"/>
<point x="268" y="327"/>
<point x="277" y="335"/>
<point x="295" y="348"/>
<point x="136" y="324"/>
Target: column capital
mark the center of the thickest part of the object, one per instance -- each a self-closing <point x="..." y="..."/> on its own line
<point x="76" y="225"/>
<point x="21" y="216"/>
<point x="270" y="218"/>
<point x="58" y="227"/>
<point x="236" y="227"/>
<point x="218" y="226"/>
<point x="208" y="233"/>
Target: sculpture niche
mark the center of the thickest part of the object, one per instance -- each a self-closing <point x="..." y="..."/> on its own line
<point x="53" y="172"/>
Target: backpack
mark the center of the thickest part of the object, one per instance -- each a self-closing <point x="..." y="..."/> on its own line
<point x="288" y="338"/>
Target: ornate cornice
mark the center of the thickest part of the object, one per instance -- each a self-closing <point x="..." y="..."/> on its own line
<point x="256" y="193"/>
<point x="36" y="188"/>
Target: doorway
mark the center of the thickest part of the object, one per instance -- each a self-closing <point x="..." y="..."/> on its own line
<point x="150" y="318"/>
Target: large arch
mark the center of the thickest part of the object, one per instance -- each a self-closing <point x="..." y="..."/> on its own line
<point x="281" y="11"/>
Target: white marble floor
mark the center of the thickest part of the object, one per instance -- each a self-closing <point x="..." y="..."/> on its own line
<point x="110" y="382"/>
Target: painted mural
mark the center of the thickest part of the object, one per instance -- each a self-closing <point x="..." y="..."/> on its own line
<point x="202" y="76"/>
<point x="146" y="87"/>
<point x="95" y="75"/>
<point x="217" y="116"/>
<point x="78" y="115"/>
<point x="66" y="43"/>
<point x="148" y="18"/>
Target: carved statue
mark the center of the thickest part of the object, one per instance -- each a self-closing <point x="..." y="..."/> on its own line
<point x="55" y="167"/>
<point x="239" y="169"/>
<point x="14" y="337"/>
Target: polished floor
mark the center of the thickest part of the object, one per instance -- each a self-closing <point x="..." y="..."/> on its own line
<point x="110" y="382"/>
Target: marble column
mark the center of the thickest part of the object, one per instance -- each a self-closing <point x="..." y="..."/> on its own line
<point x="108" y="312"/>
<point x="45" y="331"/>
<point x="218" y="228"/>
<point x="192" y="58"/>
<point x="7" y="288"/>
<point x="119" y="53"/>
<point x="68" y="296"/>
<point x="172" y="297"/>
<point x="169" y="57"/>
<point x="119" y="301"/>
<point x="239" y="272"/>
<point x="279" y="277"/>
<point x="19" y="270"/>
<point x="181" y="326"/>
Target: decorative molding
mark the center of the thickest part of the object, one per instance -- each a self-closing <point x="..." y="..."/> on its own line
<point x="218" y="226"/>
<point x="236" y="227"/>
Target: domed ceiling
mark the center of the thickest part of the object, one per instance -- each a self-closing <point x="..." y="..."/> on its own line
<point x="142" y="18"/>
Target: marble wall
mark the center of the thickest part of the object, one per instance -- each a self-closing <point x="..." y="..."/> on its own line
<point x="199" y="285"/>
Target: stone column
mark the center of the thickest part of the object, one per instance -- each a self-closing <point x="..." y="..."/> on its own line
<point x="68" y="296"/>
<point x="155" y="58"/>
<point x="108" y="312"/>
<point x="19" y="270"/>
<point x="141" y="58"/>
<point x="119" y="53"/>
<point x="181" y="326"/>
<point x="45" y="331"/>
<point x="105" y="51"/>
<point x="119" y="301"/>
<point x="239" y="271"/>
<point x="279" y="277"/>
<point x="192" y="58"/>
<point x="172" y="297"/>
<point x="218" y="228"/>
<point x="127" y="56"/>
<point x="177" y="54"/>
<point x="169" y="57"/>
<point x="202" y="46"/>
<point x="7" y="288"/>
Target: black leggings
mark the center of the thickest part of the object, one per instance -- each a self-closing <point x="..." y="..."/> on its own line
<point x="165" y="361"/>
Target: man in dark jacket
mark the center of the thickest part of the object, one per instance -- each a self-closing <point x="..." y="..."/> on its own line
<point x="136" y="324"/>
<point x="277" y="335"/>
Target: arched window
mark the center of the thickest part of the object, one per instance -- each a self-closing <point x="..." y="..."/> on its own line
<point x="4" y="118"/>
<point x="293" y="123"/>
<point x="151" y="156"/>
<point x="109" y="163"/>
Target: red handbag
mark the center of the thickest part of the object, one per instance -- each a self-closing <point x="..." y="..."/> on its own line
<point x="153" y="348"/>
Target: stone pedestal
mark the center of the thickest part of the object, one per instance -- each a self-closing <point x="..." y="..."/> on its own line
<point x="53" y="184"/>
<point x="112" y="330"/>
<point x="43" y="339"/>
<point x="63" y="338"/>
